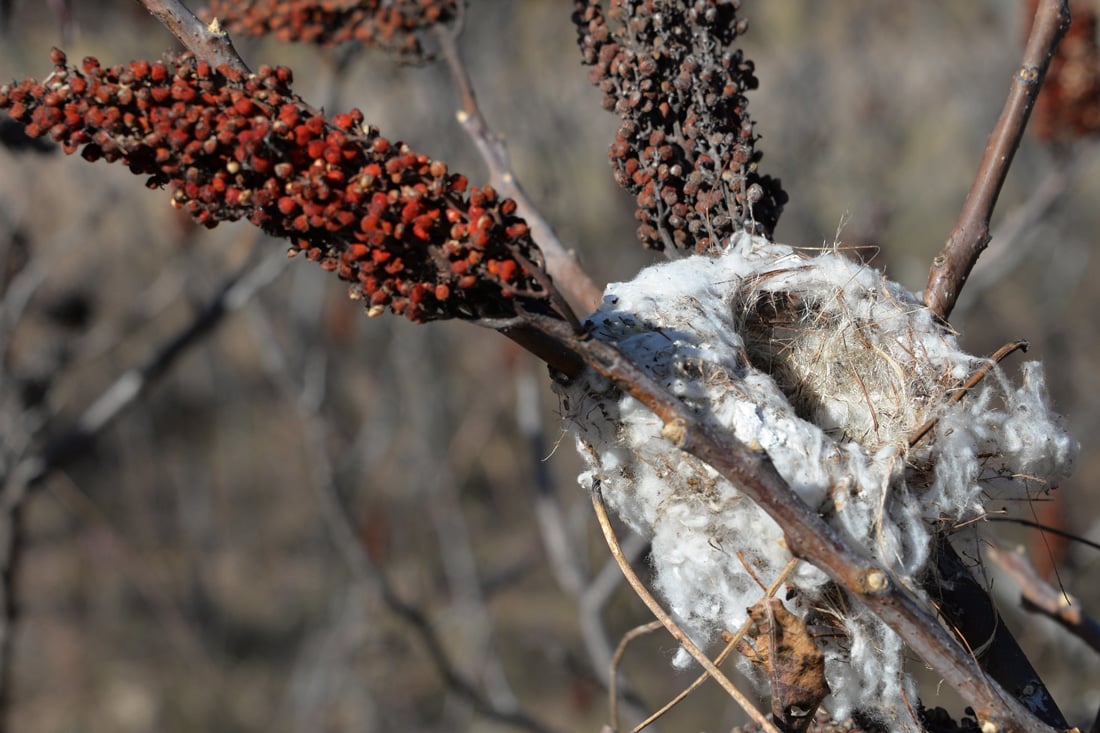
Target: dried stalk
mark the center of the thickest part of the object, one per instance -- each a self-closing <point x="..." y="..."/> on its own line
<point x="677" y="633"/>
<point x="953" y="264"/>
<point x="731" y="643"/>
<point x="613" y="680"/>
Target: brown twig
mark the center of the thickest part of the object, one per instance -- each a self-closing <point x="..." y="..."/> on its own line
<point x="953" y="264"/>
<point x="560" y="262"/>
<point x="731" y="643"/>
<point x="998" y="356"/>
<point x="616" y="660"/>
<point x="655" y="608"/>
<point x="1040" y="596"/>
<point x="208" y="42"/>
<point x="808" y="536"/>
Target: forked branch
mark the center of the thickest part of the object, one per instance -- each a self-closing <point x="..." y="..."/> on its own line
<point x="677" y="633"/>
<point x="207" y="42"/>
<point x="1041" y="597"/>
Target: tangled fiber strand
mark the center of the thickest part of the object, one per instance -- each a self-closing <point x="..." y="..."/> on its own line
<point x="396" y="224"/>
<point x="392" y="25"/>
<point x="829" y="367"/>
<point x="686" y="147"/>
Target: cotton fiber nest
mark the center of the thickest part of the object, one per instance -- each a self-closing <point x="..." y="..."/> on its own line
<point x="830" y="367"/>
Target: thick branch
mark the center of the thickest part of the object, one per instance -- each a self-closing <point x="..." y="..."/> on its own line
<point x="968" y="610"/>
<point x="953" y="264"/>
<point x="808" y="536"/>
<point x="207" y="42"/>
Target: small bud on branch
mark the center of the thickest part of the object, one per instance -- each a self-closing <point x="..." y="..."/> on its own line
<point x="396" y="224"/>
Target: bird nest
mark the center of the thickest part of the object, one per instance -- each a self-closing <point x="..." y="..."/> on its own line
<point x="834" y="370"/>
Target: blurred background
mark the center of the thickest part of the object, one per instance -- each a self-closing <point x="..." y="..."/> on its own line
<point x="315" y="521"/>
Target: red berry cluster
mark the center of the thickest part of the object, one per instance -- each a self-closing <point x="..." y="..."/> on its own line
<point x="389" y="24"/>
<point x="394" y="223"/>
<point x="1068" y="106"/>
<point x="685" y="147"/>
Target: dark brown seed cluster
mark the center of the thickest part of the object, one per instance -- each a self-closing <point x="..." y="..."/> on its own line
<point x="686" y="147"/>
<point x="389" y="24"/>
<point x="397" y="225"/>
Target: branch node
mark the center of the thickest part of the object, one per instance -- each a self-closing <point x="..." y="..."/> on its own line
<point x="873" y="582"/>
<point x="675" y="431"/>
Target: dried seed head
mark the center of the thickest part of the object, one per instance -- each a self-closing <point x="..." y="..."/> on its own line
<point x="666" y="67"/>
<point x="408" y="234"/>
<point x="392" y="25"/>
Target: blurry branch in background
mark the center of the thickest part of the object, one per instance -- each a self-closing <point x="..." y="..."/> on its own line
<point x="1039" y="596"/>
<point x="66" y="25"/>
<point x="308" y="400"/>
<point x="592" y="591"/>
<point x="236" y="291"/>
<point x="37" y="462"/>
<point x="952" y="266"/>
<point x="1010" y="243"/>
<point x="556" y="539"/>
<point x="561" y="264"/>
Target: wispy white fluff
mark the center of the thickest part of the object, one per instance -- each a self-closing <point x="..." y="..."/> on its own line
<point x="830" y="367"/>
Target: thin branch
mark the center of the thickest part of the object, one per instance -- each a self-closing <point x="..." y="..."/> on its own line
<point x="662" y="616"/>
<point x="808" y="536"/>
<point x="1046" y="528"/>
<point x="616" y="660"/>
<point x="132" y="384"/>
<point x="344" y="537"/>
<point x="953" y="264"/>
<point x="207" y="42"/>
<point x="731" y="643"/>
<point x="998" y="356"/>
<point x="560" y="262"/>
<point x="1041" y="597"/>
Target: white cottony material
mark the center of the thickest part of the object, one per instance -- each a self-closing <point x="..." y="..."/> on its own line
<point x="830" y="368"/>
